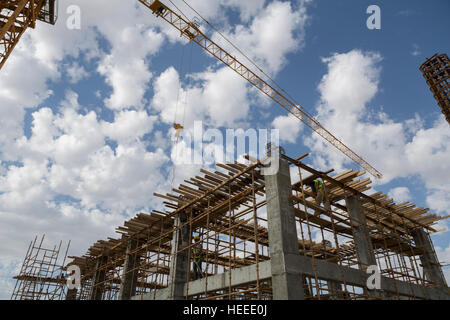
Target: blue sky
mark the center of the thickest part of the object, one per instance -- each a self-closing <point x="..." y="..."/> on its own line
<point x="85" y="114"/>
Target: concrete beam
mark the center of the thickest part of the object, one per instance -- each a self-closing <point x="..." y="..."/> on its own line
<point x="331" y="272"/>
<point x="240" y="276"/>
<point x="327" y="271"/>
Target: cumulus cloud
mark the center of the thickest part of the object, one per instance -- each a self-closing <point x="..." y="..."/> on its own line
<point x="76" y="72"/>
<point x="400" y="194"/>
<point x="128" y="124"/>
<point x="219" y="97"/>
<point x="277" y="30"/>
<point x="289" y="126"/>
<point x="397" y="149"/>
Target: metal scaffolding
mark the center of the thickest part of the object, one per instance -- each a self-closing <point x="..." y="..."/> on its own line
<point x="42" y="275"/>
<point x="234" y="210"/>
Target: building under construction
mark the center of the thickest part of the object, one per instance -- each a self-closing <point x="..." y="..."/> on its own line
<point x="240" y="233"/>
<point x="262" y="237"/>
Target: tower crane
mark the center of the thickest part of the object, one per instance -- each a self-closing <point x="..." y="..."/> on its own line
<point x="17" y="16"/>
<point x="192" y="32"/>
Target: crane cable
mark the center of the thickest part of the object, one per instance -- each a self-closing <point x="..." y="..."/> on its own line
<point x="177" y="126"/>
<point x="248" y="58"/>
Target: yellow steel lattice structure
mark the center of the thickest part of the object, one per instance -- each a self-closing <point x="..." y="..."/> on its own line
<point x="17" y="16"/>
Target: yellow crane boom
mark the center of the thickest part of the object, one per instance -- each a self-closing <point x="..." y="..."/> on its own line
<point x="191" y="31"/>
<point x="18" y="15"/>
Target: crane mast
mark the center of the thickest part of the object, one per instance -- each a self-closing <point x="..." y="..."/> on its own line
<point x="192" y="32"/>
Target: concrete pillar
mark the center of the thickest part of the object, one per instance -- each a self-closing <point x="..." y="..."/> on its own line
<point x="430" y="263"/>
<point x="98" y="279"/>
<point x="361" y="236"/>
<point x="130" y="272"/>
<point x="71" y="294"/>
<point x="179" y="265"/>
<point x="287" y="282"/>
<point x="361" y="232"/>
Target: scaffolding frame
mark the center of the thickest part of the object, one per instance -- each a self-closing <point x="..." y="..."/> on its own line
<point x="227" y="209"/>
<point x="42" y="275"/>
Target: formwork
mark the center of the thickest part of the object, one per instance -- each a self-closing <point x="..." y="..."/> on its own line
<point x="265" y="237"/>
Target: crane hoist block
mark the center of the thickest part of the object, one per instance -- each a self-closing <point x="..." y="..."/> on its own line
<point x="157" y="7"/>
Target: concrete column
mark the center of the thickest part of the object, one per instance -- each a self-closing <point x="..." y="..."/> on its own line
<point x="287" y="282"/>
<point x="360" y="232"/>
<point x="430" y="263"/>
<point x="130" y="273"/>
<point x="98" y="279"/>
<point x="71" y="294"/>
<point x="361" y="236"/>
<point x="179" y="266"/>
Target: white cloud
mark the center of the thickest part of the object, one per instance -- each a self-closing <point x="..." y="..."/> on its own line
<point x="289" y="126"/>
<point x="82" y="166"/>
<point x="396" y="149"/>
<point x="400" y="194"/>
<point x="276" y="31"/>
<point x="128" y="124"/>
<point x="220" y="97"/>
<point x="246" y="9"/>
<point x="76" y="72"/>
<point x="444" y="258"/>
<point x="416" y="50"/>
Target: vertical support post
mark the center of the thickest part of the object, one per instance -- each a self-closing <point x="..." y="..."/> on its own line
<point x="430" y="263"/>
<point x="98" y="279"/>
<point x="361" y="235"/>
<point x="71" y="294"/>
<point x="287" y="282"/>
<point x="130" y="272"/>
<point x="179" y="265"/>
<point x="360" y="230"/>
